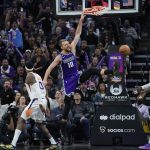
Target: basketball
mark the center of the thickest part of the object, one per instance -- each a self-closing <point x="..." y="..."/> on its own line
<point x="124" y="50"/>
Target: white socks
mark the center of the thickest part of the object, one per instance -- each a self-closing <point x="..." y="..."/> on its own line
<point x="16" y="136"/>
<point x="52" y="140"/>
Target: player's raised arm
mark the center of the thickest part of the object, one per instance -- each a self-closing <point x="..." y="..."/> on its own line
<point x="78" y="33"/>
<point x="56" y="61"/>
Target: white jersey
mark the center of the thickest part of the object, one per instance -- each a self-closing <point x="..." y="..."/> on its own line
<point x="37" y="94"/>
<point x="37" y="90"/>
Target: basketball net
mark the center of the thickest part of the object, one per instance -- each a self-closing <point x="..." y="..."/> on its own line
<point x="95" y="10"/>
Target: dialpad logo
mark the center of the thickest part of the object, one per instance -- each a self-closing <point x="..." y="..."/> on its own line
<point x="119" y="117"/>
<point x="103" y="117"/>
<point x="122" y="117"/>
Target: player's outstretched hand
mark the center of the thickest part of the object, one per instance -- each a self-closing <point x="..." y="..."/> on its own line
<point x="82" y="16"/>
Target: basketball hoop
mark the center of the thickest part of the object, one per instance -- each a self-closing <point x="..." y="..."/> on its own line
<point x="95" y="10"/>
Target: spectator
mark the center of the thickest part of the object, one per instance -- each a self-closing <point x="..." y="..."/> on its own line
<point x="11" y="54"/>
<point x="22" y="103"/>
<point x="56" y="127"/>
<point x="39" y="62"/>
<point x="83" y="88"/>
<point x="101" y="92"/>
<point x="100" y="45"/>
<point x="7" y="127"/>
<point x="91" y="89"/>
<point x="38" y="40"/>
<point x="84" y="54"/>
<point x="51" y="88"/>
<point x="94" y="62"/>
<point x="107" y="42"/>
<point x="16" y="100"/>
<point x="19" y="78"/>
<point x="6" y="71"/>
<point x="31" y="42"/>
<point x="57" y="36"/>
<point x="99" y="52"/>
<point x="130" y="34"/>
<point x="2" y="49"/>
<point x="91" y="38"/>
<point x="54" y="102"/>
<point x="96" y="31"/>
<point x="105" y="77"/>
<point x="26" y="40"/>
<point x="80" y="113"/>
<point x="22" y="62"/>
<point x="15" y="36"/>
<point x="28" y="55"/>
<point x="51" y="48"/>
<point x="7" y="94"/>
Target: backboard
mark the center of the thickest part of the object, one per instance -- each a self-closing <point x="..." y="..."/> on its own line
<point x="115" y="7"/>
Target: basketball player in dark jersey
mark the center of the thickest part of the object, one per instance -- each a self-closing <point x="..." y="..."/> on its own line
<point x="67" y="60"/>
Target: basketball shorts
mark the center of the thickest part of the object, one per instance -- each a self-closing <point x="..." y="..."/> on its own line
<point x="34" y="111"/>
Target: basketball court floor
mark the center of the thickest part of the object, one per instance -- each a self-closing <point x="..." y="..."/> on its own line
<point x="79" y="147"/>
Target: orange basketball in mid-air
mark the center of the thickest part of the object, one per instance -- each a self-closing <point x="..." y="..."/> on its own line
<point x="124" y="50"/>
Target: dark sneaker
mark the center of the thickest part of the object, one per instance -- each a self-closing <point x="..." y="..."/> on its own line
<point x="146" y="146"/>
<point x="53" y="147"/>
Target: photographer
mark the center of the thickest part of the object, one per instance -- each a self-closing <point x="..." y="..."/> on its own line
<point x="8" y="124"/>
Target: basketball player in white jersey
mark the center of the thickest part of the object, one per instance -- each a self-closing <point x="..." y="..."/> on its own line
<point x="36" y="108"/>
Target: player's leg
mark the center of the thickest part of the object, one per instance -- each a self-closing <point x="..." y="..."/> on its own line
<point x="93" y="71"/>
<point x="70" y="84"/>
<point x="47" y="133"/>
<point x="19" y="128"/>
<point x="67" y="101"/>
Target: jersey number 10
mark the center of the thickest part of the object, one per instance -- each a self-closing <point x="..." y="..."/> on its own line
<point x="70" y="64"/>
